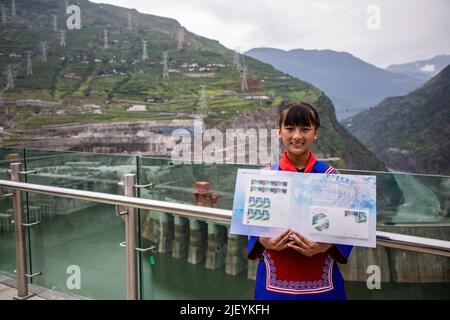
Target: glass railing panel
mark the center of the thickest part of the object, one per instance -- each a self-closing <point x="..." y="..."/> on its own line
<point x="410" y="198"/>
<point x="77" y="248"/>
<point x="194" y="258"/>
<point x="189" y="244"/>
<point x="7" y="245"/>
<point x="387" y="273"/>
<point x="198" y="259"/>
<point x="176" y="181"/>
<point x="75" y="233"/>
<point x="79" y="170"/>
<point x="412" y="204"/>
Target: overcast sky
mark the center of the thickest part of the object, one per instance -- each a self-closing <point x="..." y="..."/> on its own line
<point x="406" y="31"/>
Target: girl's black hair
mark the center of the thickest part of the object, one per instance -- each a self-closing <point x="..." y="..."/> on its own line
<point x="300" y="114"/>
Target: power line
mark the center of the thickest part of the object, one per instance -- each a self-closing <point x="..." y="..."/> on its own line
<point x="414" y="46"/>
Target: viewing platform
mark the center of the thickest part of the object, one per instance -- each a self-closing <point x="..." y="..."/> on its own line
<point x="100" y="226"/>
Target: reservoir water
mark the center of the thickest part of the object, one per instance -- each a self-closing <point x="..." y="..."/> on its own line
<point x="90" y="240"/>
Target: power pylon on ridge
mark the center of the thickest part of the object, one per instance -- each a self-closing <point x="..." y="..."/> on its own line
<point x="144" y="50"/>
<point x="4" y="20"/>
<point x="54" y="23"/>
<point x="13" y="8"/>
<point x="62" y="39"/>
<point x="166" y="67"/>
<point x="29" y="65"/>
<point x="244" y="85"/>
<point x="44" y="51"/>
<point x="243" y="63"/>
<point x="10" y="78"/>
<point x="180" y="38"/>
<point x="203" y="100"/>
<point x="105" y="39"/>
<point x="130" y="25"/>
<point x="237" y="59"/>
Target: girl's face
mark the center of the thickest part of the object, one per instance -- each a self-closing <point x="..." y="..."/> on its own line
<point x="298" y="140"/>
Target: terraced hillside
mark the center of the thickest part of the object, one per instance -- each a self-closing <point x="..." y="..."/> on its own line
<point x="89" y="80"/>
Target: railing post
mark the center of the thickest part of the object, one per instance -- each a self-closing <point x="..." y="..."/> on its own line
<point x="130" y="238"/>
<point x="21" y="260"/>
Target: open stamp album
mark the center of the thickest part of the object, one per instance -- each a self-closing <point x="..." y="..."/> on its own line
<point x="332" y="208"/>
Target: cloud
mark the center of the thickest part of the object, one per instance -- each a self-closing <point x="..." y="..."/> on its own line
<point x="428" y="68"/>
<point x="409" y="29"/>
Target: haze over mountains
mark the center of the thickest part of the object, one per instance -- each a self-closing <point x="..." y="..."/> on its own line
<point x="422" y="70"/>
<point x="410" y="133"/>
<point x="351" y="83"/>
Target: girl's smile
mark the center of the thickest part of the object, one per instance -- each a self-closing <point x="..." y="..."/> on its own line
<point x="297" y="141"/>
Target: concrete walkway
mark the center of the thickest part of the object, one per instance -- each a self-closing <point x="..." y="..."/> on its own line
<point x="8" y="291"/>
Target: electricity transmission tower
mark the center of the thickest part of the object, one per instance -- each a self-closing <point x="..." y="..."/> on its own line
<point x="13" y="8"/>
<point x="130" y="26"/>
<point x="55" y="23"/>
<point x="237" y="59"/>
<point x="244" y="85"/>
<point x="166" y="68"/>
<point x="44" y="51"/>
<point x="10" y="78"/>
<point x="105" y="39"/>
<point x="180" y="38"/>
<point x="203" y="101"/>
<point x="62" y="39"/>
<point x="3" y="14"/>
<point x="144" y="50"/>
<point x="29" y="65"/>
<point x="243" y="63"/>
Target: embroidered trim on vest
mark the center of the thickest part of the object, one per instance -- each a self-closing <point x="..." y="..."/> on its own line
<point x="273" y="284"/>
<point x="330" y="169"/>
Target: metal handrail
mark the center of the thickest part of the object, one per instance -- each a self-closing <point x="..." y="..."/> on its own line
<point x="190" y="211"/>
<point x="414" y="243"/>
<point x="440" y="247"/>
<point x="387" y="239"/>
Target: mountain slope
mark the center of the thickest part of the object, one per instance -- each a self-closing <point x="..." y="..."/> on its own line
<point x="410" y="133"/>
<point x="424" y="69"/>
<point x="351" y="83"/>
<point x="85" y="71"/>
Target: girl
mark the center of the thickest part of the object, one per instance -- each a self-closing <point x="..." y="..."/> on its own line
<point x="292" y="266"/>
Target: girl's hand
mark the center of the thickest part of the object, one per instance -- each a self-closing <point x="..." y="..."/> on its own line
<point x="305" y="246"/>
<point x="278" y="243"/>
